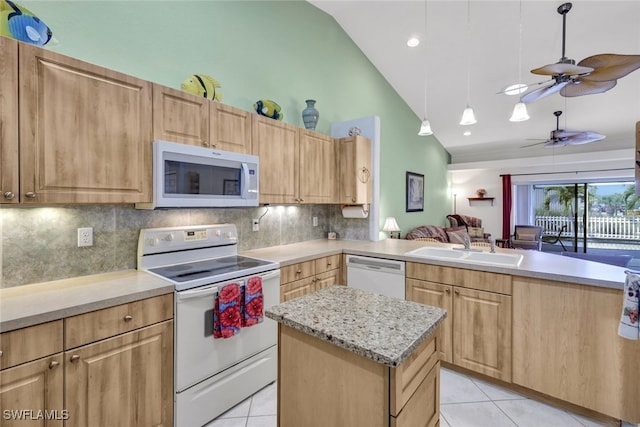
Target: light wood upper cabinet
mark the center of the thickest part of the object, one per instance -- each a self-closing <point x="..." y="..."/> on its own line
<point x="180" y="117"/>
<point x="317" y="170"/>
<point x="230" y="128"/>
<point x="277" y="145"/>
<point x="85" y="131"/>
<point x="9" y="160"/>
<point x="354" y="156"/>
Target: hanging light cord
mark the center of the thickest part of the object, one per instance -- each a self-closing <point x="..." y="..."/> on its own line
<point x="425" y="60"/>
<point x="468" y="52"/>
<point x="520" y="52"/>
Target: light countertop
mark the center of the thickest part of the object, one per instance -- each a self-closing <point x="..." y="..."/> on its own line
<point x="535" y="264"/>
<point x="28" y="305"/>
<point x="384" y="329"/>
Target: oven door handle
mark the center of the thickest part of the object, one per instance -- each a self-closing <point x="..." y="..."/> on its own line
<point x="197" y="293"/>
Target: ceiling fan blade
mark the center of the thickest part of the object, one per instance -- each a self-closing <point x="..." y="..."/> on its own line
<point x="537" y="143"/>
<point x="562" y="68"/>
<point x="564" y="133"/>
<point x="542" y="92"/>
<point x="610" y="66"/>
<point x="529" y="85"/>
<point x="582" y="87"/>
<point x="584" y="138"/>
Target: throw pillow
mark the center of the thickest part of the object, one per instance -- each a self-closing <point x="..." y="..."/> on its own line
<point x="476" y="231"/>
<point x="526" y="236"/>
<point x="456" y="234"/>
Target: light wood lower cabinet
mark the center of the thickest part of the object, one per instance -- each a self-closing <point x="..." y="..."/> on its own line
<point x="123" y="381"/>
<point x="114" y="368"/>
<point x="320" y="384"/>
<point x="302" y="278"/>
<point x="476" y="334"/>
<point x="565" y="345"/>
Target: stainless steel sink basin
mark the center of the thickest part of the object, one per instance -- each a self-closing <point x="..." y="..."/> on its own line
<point x="470" y="257"/>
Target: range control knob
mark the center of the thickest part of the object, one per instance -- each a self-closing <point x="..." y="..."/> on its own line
<point x="152" y="241"/>
<point x="228" y="234"/>
<point x="218" y="233"/>
<point x="168" y="237"/>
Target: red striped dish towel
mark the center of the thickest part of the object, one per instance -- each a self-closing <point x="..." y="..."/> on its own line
<point x="629" y="327"/>
<point x="253" y="300"/>
<point x="227" y="311"/>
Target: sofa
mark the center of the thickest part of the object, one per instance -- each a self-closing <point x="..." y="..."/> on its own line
<point x="444" y="234"/>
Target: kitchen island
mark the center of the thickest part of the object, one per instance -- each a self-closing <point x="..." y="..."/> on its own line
<point x="353" y="358"/>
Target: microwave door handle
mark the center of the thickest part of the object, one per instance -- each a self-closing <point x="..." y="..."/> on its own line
<point x="197" y="293"/>
<point x="245" y="180"/>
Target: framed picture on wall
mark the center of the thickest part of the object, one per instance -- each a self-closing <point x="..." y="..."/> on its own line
<point x="415" y="192"/>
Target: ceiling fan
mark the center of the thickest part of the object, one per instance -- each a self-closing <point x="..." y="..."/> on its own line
<point x="595" y="74"/>
<point x="560" y="137"/>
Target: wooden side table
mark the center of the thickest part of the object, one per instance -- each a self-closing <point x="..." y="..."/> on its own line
<point x="503" y="243"/>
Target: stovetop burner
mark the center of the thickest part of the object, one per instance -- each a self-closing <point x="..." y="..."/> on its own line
<point x="208" y="268"/>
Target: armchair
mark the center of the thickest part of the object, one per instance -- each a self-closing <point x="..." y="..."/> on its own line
<point x="527" y="237"/>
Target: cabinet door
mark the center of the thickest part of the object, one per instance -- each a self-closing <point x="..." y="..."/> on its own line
<point x="328" y="263"/>
<point x="85" y="131"/>
<point x="180" y="117"/>
<point x="124" y="381"/>
<point x="326" y="279"/>
<point x="354" y="154"/>
<point x="9" y="191"/>
<point x="291" y="290"/>
<point x="35" y="386"/>
<point x="230" y="129"/>
<point x="318" y="178"/>
<point x="437" y="295"/>
<point x="482" y="332"/>
<point x="276" y="144"/>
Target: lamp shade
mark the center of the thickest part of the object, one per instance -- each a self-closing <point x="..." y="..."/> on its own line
<point x="390" y="224"/>
<point x="468" y="117"/>
<point x="425" y="128"/>
<point x="519" y="113"/>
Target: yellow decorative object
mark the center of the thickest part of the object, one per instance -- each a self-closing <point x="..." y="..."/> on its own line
<point x="202" y="85"/>
<point x="268" y="108"/>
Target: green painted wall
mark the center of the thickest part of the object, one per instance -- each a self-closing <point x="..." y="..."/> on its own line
<point x="287" y="51"/>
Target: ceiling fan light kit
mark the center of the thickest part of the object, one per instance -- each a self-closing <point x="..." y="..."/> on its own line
<point x="425" y="128"/>
<point x="595" y="74"/>
<point x="515" y="89"/>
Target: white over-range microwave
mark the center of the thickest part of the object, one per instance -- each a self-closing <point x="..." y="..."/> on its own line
<point x="187" y="176"/>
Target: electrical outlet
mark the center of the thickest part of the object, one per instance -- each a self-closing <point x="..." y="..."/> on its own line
<point x="85" y="237"/>
<point x="315" y="221"/>
<point x="255" y="224"/>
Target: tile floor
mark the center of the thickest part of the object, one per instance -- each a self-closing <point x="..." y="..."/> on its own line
<point x="464" y="402"/>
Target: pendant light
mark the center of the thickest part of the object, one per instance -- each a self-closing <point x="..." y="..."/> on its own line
<point x="520" y="110"/>
<point x="468" y="117"/>
<point x="425" y="127"/>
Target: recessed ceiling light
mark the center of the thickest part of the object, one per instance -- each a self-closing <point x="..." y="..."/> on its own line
<point x="515" y="89"/>
<point x="413" y="42"/>
<point x="467" y="133"/>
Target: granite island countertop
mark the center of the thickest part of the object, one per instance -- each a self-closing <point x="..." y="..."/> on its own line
<point x="384" y="329"/>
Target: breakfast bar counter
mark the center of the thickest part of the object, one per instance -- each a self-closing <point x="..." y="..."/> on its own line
<point x="349" y="357"/>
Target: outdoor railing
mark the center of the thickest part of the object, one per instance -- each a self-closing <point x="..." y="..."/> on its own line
<point x="614" y="227"/>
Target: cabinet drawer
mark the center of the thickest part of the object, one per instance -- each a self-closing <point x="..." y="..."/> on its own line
<point x="297" y="271"/>
<point x="423" y="408"/>
<point x="298" y="288"/>
<point x="431" y="273"/>
<point x="472" y="279"/>
<point x="328" y="263"/>
<point x="406" y="378"/>
<point x="100" y="324"/>
<point x="23" y="345"/>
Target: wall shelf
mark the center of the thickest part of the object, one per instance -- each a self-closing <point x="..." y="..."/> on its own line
<point x="480" y="199"/>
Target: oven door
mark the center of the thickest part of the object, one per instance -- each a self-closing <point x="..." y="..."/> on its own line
<point x="198" y="355"/>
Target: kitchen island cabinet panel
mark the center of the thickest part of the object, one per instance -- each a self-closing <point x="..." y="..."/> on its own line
<point x="9" y="145"/>
<point x="85" y="131"/>
<point x="566" y="346"/>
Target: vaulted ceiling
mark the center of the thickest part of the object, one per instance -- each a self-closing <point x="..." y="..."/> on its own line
<point x="472" y="50"/>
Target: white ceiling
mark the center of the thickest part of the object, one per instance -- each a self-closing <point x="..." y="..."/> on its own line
<point x="381" y="28"/>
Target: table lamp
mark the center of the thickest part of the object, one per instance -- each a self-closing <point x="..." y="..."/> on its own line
<point x="391" y="225"/>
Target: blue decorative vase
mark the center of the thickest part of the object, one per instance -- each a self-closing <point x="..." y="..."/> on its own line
<point x="310" y="115"/>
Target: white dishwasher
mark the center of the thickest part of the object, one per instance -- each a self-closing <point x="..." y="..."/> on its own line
<point x="377" y="275"/>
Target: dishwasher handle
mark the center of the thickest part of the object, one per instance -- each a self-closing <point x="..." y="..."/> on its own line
<point x="377" y="264"/>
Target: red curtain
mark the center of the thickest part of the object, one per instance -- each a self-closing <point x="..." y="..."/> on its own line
<point x="506" y="206"/>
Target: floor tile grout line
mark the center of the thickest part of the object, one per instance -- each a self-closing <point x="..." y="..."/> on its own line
<point x="505" y="414"/>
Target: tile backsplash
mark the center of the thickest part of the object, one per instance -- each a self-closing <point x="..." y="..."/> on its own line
<point x="40" y="243"/>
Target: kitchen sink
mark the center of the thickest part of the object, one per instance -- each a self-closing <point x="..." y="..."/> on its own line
<point x="468" y="256"/>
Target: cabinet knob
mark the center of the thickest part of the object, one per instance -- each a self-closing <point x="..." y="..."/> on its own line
<point x="74" y="358"/>
<point x="353" y="199"/>
<point x="0" y="353"/>
<point x="31" y="195"/>
<point x="456" y="292"/>
<point x="328" y="264"/>
<point x="299" y="272"/>
<point x="447" y="291"/>
<point x="9" y="195"/>
<point x="53" y="364"/>
<point x="302" y="200"/>
<point x="128" y="318"/>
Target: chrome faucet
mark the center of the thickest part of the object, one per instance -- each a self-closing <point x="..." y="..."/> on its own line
<point x="467" y="241"/>
<point x="492" y="241"/>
